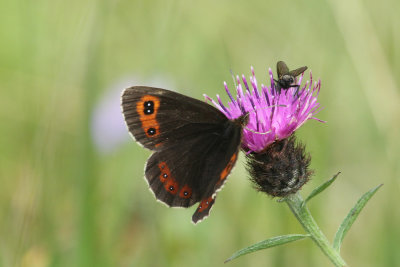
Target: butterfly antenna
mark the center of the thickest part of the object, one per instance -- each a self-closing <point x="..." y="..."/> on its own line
<point x="250" y="130"/>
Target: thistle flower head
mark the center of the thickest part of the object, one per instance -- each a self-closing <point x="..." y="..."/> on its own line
<point x="273" y="114"/>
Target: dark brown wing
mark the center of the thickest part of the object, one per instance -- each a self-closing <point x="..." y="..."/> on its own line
<point x="281" y="69"/>
<point x="298" y="71"/>
<point x="193" y="170"/>
<point x="155" y="117"/>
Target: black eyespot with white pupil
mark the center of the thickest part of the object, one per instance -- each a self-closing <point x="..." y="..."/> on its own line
<point x="171" y="188"/>
<point x="151" y="131"/>
<point x="165" y="175"/>
<point x="148" y="107"/>
<point x="185" y="193"/>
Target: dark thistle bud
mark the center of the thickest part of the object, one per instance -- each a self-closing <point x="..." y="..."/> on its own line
<point x="281" y="169"/>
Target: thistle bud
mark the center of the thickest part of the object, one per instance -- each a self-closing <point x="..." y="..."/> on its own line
<point x="281" y="169"/>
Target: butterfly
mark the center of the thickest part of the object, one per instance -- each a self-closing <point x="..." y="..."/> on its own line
<point x="195" y="146"/>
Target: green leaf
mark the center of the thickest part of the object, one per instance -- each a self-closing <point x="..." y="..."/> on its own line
<point x="351" y="217"/>
<point x="321" y="188"/>
<point x="271" y="242"/>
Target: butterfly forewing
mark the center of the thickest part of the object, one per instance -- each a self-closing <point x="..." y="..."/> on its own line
<point x="154" y="116"/>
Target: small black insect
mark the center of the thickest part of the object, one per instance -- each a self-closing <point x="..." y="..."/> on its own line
<point x="286" y="78"/>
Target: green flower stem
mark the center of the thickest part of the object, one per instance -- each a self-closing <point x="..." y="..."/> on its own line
<point x="303" y="215"/>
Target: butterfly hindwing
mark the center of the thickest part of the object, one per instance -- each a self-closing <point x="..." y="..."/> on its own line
<point x="192" y="171"/>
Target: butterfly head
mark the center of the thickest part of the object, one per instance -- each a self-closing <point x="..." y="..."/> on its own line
<point x="243" y="120"/>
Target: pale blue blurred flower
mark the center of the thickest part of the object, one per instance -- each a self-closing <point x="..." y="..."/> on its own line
<point x="108" y="128"/>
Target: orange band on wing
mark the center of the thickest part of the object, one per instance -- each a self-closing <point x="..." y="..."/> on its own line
<point x="186" y="192"/>
<point x="204" y="204"/>
<point x="170" y="183"/>
<point x="228" y="167"/>
<point x="147" y="109"/>
<point x="165" y="172"/>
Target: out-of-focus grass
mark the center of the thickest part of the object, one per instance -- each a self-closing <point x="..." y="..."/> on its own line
<point x="62" y="203"/>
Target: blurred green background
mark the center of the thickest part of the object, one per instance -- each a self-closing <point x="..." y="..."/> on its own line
<point x="72" y="192"/>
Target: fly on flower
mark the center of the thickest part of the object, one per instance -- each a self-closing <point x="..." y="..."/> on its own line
<point x="286" y="78"/>
<point x="277" y="164"/>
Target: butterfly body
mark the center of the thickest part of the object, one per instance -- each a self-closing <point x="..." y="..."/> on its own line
<point x="194" y="145"/>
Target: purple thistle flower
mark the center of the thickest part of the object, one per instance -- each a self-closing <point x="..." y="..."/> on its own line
<point x="272" y="115"/>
